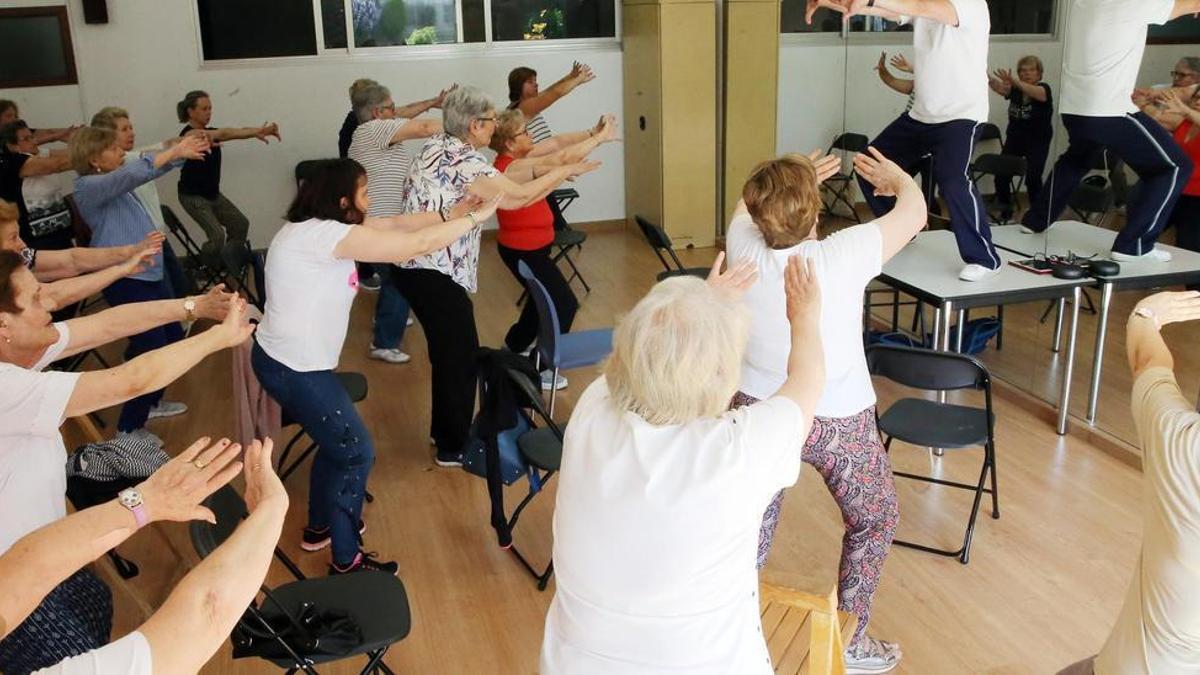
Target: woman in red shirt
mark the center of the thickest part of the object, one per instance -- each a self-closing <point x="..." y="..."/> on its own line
<point x="527" y="234"/>
<point x="1186" y="128"/>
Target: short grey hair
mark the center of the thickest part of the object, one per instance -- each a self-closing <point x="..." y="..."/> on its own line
<point x="1192" y="62"/>
<point x="367" y="100"/>
<point x="461" y="107"/>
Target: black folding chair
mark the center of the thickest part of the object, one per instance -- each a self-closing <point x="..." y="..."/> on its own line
<point x="566" y="239"/>
<point x="840" y="185"/>
<point x="239" y="261"/>
<point x="988" y="132"/>
<point x="375" y="600"/>
<point x="661" y="243"/>
<point x="202" y="263"/>
<point x="1008" y="168"/>
<point x="1094" y="197"/>
<point x="926" y="423"/>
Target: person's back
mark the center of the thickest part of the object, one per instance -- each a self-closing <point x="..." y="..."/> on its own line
<point x="1104" y="44"/>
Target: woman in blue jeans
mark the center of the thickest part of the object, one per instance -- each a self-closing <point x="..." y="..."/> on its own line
<point x="311" y="284"/>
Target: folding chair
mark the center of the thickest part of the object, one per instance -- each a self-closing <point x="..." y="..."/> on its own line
<point x="1093" y="197"/>
<point x="989" y="132"/>
<point x="1008" y="168"/>
<point x="239" y="261"/>
<point x="376" y="601"/>
<point x="840" y="185"/>
<point x="926" y="423"/>
<point x="566" y="237"/>
<point x="201" y="262"/>
<point x="558" y="350"/>
<point x="660" y="242"/>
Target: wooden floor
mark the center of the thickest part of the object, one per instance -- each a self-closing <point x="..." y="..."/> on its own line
<point x="1043" y="587"/>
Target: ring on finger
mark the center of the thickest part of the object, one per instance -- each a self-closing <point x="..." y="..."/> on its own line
<point x="197" y="464"/>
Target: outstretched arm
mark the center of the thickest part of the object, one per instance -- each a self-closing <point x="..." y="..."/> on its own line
<point x="1143" y="340"/>
<point x="910" y="214"/>
<point x="515" y="195"/>
<point x="71" y="262"/>
<point x="899" y="85"/>
<point x="91" y="331"/>
<point x="411" y="235"/>
<point x="66" y="291"/>
<point x="526" y="169"/>
<point x="262" y="133"/>
<point x="420" y="107"/>
<point x="1185" y="7"/>
<point x="580" y="74"/>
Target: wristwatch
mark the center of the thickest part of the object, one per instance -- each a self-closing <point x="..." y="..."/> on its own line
<point x="189" y="306"/>
<point x="131" y="499"/>
<point x="1147" y="313"/>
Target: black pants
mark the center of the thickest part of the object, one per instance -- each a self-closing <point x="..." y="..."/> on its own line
<point x="522" y="333"/>
<point x="1036" y="150"/>
<point x="1149" y="150"/>
<point x="448" y="319"/>
<point x="1186" y="219"/>
<point x="906" y="141"/>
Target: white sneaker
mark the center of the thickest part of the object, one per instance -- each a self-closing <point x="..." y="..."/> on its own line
<point x="872" y="656"/>
<point x="1155" y="255"/>
<point x="973" y="272"/>
<point x="410" y="321"/>
<point x="389" y="355"/>
<point x="141" y="435"/>
<point x="548" y="381"/>
<point x="167" y="408"/>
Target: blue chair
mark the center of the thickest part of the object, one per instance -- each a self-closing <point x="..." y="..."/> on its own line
<point x="558" y="350"/>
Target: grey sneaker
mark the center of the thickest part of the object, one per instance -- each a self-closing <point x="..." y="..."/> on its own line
<point x="389" y="355"/>
<point x="550" y="381"/>
<point x="871" y="656"/>
<point x="141" y="435"/>
<point x="167" y="408"/>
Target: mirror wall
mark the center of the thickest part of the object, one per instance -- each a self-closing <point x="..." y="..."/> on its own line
<point x="830" y="84"/>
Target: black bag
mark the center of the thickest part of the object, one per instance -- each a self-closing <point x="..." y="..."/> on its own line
<point x="313" y="632"/>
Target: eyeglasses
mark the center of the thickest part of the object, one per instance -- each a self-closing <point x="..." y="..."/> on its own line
<point x="486" y="119"/>
<point x="1179" y="75"/>
<point x="523" y="132"/>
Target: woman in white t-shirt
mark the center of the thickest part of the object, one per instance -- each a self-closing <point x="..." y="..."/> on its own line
<point x="776" y="220"/>
<point x="662" y="488"/>
<point x="34" y="405"/>
<point x="311" y="284"/>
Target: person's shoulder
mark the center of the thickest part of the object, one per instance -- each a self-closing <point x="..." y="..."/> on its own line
<point x="503" y="161"/>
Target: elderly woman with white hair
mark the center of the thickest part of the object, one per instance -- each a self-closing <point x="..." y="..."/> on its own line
<point x="436" y="285"/>
<point x="662" y="488"/>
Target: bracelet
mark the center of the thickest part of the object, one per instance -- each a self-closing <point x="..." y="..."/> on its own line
<point x="471" y="217"/>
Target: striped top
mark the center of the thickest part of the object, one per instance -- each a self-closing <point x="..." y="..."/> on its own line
<point x="538" y="129"/>
<point x="386" y="164"/>
<point x="108" y="205"/>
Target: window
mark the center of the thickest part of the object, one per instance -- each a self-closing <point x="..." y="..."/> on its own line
<point x="250" y="29"/>
<point x="1181" y="31"/>
<point x="35" y="47"/>
<point x="552" y="19"/>
<point x="1009" y="17"/>
<point x="388" y="23"/>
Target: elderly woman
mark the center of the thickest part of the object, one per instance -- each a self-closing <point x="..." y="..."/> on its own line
<point x="449" y="167"/>
<point x="777" y="220"/>
<point x="200" y="180"/>
<point x="9" y="112"/>
<point x="526" y="234"/>
<point x="1183" y="121"/>
<point x="29" y="180"/>
<point x="32" y="481"/>
<point x="661" y="486"/>
<point x="525" y="95"/>
<point x="104" y="195"/>
<point x="1030" y="126"/>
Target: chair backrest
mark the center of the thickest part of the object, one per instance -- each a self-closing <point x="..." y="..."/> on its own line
<point x="927" y="369"/>
<point x="850" y="142"/>
<point x="1000" y="165"/>
<point x="548" y="326"/>
<point x="227" y="505"/>
<point x="661" y="243"/>
<point x="305" y="169"/>
<point x="1089" y="198"/>
<point x="988" y="132"/>
<point x="531" y="399"/>
<point x="81" y="231"/>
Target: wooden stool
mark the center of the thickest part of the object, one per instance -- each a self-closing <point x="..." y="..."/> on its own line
<point x="805" y="633"/>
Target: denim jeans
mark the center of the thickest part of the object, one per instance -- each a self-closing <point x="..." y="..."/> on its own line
<point x="391" y="311"/>
<point x="124" y="291"/>
<point x="338" y="481"/>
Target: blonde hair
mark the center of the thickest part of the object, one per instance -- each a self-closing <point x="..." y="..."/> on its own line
<point x="508" y="124"/>
<point x="86" y="144"/>
<point x="784" y="199"/>
<point x="8" y="212"/>
<point x="108" y="116"/>
<point x="677" y="355"/>
<point x="1034" y="61"/>
<point x="360" y="84"/>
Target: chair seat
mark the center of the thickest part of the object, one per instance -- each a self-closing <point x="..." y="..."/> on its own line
<point x="566" y="238"/>
<point x="542" y="448"/>
<point x="701" y="272"/>
<point x="584" y="348"/>
<point x="933" y="424"/>
<point x="376" y="600"/>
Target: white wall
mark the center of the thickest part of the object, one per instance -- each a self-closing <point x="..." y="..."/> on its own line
<point x="147" y="57"/>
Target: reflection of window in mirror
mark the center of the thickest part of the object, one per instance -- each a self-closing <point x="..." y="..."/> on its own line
<point x="792" y="19"/>
<point x="1009" y="17"/>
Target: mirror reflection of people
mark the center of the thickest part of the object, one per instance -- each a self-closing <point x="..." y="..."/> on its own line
<point x="1183" y="121"/>
<point x="1030" y="126"/>
<point x="1103" y="48"/>
<point x="906" y="86"/>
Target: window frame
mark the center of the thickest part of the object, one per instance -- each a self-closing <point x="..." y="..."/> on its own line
<point x="64" y="30"/>
<point x="353" y="53"/>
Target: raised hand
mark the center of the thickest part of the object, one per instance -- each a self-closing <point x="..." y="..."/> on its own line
<point x="606" y="128"/>
<point x="215" y="303"/>
<point x="175" y="491"/>
<point x="900" y="63"/>
<point x="487" y="208"/>
<point x="826" y="166"/>
<point x="735" y="281"/>
<point x="142" y="259"/>
<point x="268" y="130"/>
<point x="1172" y="307"/>
<point x="441" y="97"/>
<point x="262" y="483"/>
<point x="881" y="172"/>
<point x="191" y="147"/>
<point x="235" y="328"/>
<point x="814" y="5"/>
<point x="803" y="291"/>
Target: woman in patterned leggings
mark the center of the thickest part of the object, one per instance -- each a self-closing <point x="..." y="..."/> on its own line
<point x="776" y="220"/>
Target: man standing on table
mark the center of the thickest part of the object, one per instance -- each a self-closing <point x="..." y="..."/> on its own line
<point x="1105" y="40"/>
<point x="950" y="39"/>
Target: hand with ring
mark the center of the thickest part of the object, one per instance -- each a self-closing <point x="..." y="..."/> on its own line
<point x="175" y="491"/>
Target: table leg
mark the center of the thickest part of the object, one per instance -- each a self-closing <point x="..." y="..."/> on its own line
<point x="937" y="329"/>
<point x="1058" y="325"/>
<point x="1106" y="293"/>
<point x="958" y="338"/>
<point x="1064" y="400"/>
<point x="943" y="344"/>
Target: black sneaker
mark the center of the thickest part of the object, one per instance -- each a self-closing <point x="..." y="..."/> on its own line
<point x="315" y="540"/>
<point x="449" y="459"/>
<point x="365" y="561"/>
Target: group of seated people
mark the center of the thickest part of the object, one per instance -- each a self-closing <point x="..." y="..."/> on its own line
<point x="676" y="458"/>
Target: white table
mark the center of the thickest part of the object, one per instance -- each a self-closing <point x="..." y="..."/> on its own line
<point x="1069" y="236"/>
<point x="928" y="268"/>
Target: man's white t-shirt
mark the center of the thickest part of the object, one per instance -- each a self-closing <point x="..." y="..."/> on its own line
<point x="951" y="65"/>
<point x="1158" y="629"/>
<point x="33" y="459"/>
<point x="656" y="538"/>
<point x="309" y="296"/>
<point x="845" y="263"/>
<point x="1102" y="54"/>
<point x="386" y="164"/>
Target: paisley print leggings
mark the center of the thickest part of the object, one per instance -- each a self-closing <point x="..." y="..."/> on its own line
<point x="849" y="455"/>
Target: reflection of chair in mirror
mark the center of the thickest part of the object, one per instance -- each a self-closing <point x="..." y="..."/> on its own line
<point x="1093" y="198"/>
<point x="805" y="632"/>
<point x="988" y="132"/>
<point x="1008" y="169"/>
<point x="840" y="185"/>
